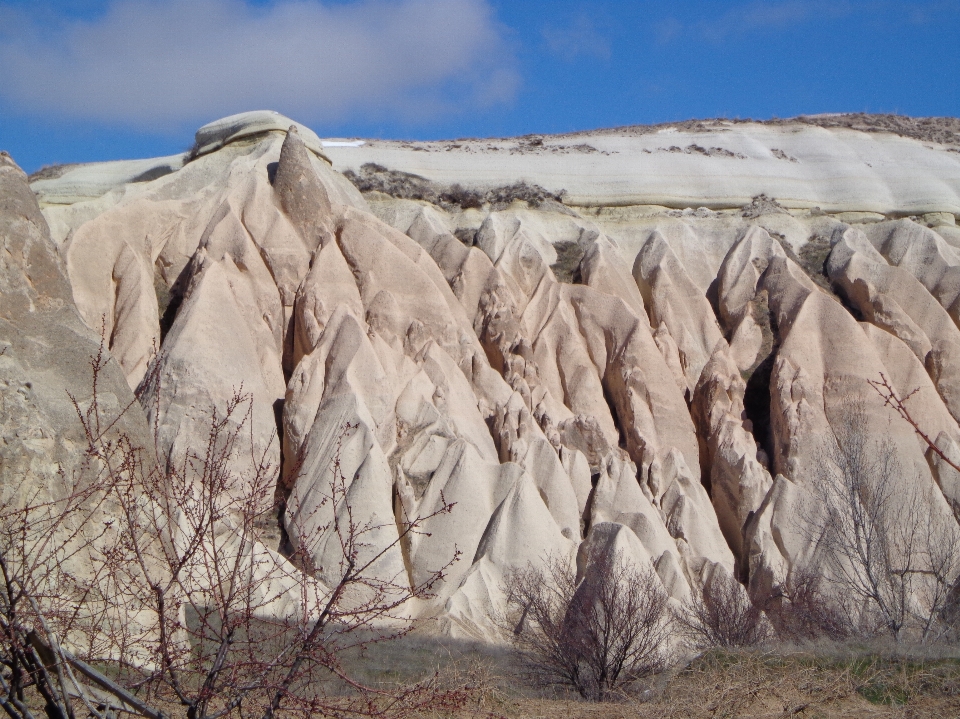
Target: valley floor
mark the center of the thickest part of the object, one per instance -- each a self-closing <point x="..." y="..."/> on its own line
<point x="761" y="685"/>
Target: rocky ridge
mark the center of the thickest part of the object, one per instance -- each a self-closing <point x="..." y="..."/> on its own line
<point x="670" y="402"/>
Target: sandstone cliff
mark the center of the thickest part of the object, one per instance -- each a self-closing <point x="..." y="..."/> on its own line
<point x="673" y="400"/>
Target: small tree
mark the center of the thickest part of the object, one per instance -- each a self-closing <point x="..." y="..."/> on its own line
<point x="940" y="594"/>
<point x="594" y="636"/>
<point x="892" y="564"/>
<point x="722" y="615"/>
<point x="181" y="598"/>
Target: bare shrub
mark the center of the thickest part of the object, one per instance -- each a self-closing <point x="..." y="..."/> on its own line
<point x="51" y="587"/>
<point x="941" y="620"/>
<point x="893" y="568"/>
<point x="596" y="636"/>
<point x="861" y="527"/>
<point x="800" y="610"/>
<point x="936" y="605"/>
<point x="533" y="194"/>
<point x="722" y="615"/>
<point x="160" y="575"/>
<point x="403" y="185"/>
<point x="462" y="197"/>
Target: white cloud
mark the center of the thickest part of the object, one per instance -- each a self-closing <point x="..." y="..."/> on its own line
<point x="579" y="37"/>
<point x="155" y="65"/>
<point x="770" y="16"/>
<point x="668" y="30"/>
<point x="757" y="17"/>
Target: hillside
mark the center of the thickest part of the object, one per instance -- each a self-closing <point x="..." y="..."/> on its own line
<point x="650" y="341"/>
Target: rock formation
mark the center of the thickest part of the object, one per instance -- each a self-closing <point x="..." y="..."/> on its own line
<point x="671" y="403"/>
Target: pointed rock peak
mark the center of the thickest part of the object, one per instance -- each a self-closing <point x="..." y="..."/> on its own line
<point x="7" y="161"/>
<point x="301" y="194"/>
<point x="25" y="242"/>
<point x="18" y="203"/>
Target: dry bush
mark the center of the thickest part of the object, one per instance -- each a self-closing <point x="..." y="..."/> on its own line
<point x="945" y="130"/>
<point x="596" y="636"/>
<point x="722" y="615"/>
<point x="802" y="611"/>
<point x="893" y="569"/>
<point x="402" y="185"/>
<point x="459" y="196"/>
<point x="532" y="194"/>
<point x="940" y="553"/>
<point x="407" y="186"/>
<point x="158" y="573"/>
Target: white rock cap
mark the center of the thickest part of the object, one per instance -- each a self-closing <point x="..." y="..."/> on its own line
<point x="218" y="133"/>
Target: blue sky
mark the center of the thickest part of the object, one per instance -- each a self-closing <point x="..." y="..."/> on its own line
<point x="84" y="80"/>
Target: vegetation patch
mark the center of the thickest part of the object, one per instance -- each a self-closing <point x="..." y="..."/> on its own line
<point x="567" y="266"/>
<point x="53" y="172"/>
<point x="466" y="235"/>
<point x="402" y="185"/>
<point x="762" y="205"/>
<point x="813" y="259"/>
<point x="407" y="186"/>
<point x="943" y="130"/>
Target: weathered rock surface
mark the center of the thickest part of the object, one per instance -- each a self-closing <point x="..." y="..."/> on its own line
<point x="47" y="355"/>
<point x="46" y="351"/>
<point x="671" y="403"/>
<point x="47" y="360"/>
<point x="721" y="164"/>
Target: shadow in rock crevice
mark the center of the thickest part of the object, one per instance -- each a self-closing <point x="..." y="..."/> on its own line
<point x="756" y="397"/>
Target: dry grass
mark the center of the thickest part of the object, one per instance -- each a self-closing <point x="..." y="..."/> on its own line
<point x="750" y="684"/>
<point x="829" y="683"/>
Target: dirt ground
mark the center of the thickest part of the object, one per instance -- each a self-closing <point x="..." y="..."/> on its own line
<point x="757" y="685"/>
<point x="848" y="709"/>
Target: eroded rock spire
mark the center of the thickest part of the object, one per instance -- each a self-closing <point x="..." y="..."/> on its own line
<point x="300" y="192"/>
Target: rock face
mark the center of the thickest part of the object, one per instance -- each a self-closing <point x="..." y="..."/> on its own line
<point x="40" y="321"/>
<point x="716" y="164"/>
<point x="47" y="357"/>
<point x="672" y="403"/>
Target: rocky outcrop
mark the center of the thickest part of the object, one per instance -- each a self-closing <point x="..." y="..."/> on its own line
<point x="49" y="374"/>
<point x="39" y="322"/>
<point x="720" y="164"/>
<point x="672" y="402"/>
